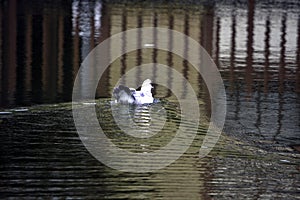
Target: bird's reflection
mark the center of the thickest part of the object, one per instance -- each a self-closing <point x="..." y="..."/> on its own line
<point x="142" y="121"/>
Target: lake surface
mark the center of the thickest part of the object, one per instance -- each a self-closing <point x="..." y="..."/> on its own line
<point x="255" y="45"/>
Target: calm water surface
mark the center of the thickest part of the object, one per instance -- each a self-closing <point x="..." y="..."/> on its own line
<point x="256" y="46"/>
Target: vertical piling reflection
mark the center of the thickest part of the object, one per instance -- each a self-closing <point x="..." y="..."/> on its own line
<point x="186" y="52"/>
<point x="105" y="32"/>
<point x="36" y="79"/>
<point x="1" y="61"/>
<point x="155" y="50"/>
<point x="69" y="55"/>
<point x="170" y="54"/>
<point x="232" y="52"/>
<point x="9" y="52"/>
<point x="282" y="63"/>
<point x="124" y="41"/>
<point x="28" y="54"/>
<point x="76" y="38"/>
<point x="249" y="58"/>
<point x="60" y="54"/>
<point x="298" y="58"/>
<point x="206" y="38"/>
<point x="20" y="69"/>
<point x="49" y="57"/>
<point x="139" y="59"/>
<point x="22" y="79"/>
<point x="217" y="43"/>
<point x="267" y="54"/>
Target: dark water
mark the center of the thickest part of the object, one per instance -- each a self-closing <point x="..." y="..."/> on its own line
<point x="256" y="46"/>
<point x="43" y="157"/>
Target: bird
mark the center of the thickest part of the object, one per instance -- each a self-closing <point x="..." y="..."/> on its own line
<point x="126" y="95"/>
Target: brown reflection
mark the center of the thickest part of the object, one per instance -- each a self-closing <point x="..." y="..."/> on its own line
<point x="139" y="58"/>
<point x="50" y="39"/>
<point x="170" y="54"/>
<point x="76" y="42"/>
<point x="105" y="32"/>
<point x="282" y="63"/>
<point x="92" y="25"/>
<point x="36" y="79"/>
<point x="52" y="51"/>
<point x="185" y="69"/>
<point x="232" y="52"/>
<point x="9" y="53"/>
<point x="159" y="17"/>
<point x="298" y="58"/>
<point x="60" y="55"/>
<point x="206" y="38"/>
<point x="28" y="56"/>
<point x="124" y="41"/>
<point x="217" y="43"/>
<point x="1" y="46"/>
<point x="70" y="59"/>
<point x="280" y="114"/>
<point x="155" y="51"/>
<point x="20" y="70"/>
<point x="267" y="54"/>
<point x="249" y="58"/>
<point x="206" y="30"/>
<point x="53" y="48"/>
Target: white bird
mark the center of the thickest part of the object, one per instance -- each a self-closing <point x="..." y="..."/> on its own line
<point x="125" y="95"/>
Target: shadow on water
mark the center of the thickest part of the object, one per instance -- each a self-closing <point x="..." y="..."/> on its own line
<point x="256" y="46"/>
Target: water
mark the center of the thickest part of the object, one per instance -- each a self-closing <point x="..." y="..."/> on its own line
<point x="255" y="46"/>
<point x="43" y="157"/>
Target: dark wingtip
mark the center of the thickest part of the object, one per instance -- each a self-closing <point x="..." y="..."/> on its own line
<point x="123" y="94"/>
<point x="124" y="88"/>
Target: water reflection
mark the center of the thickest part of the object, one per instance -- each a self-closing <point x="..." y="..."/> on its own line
<point x="140" y="121"/>
<point x="261" y="72"/>
<point x="256" y="47"/>
<point x="255" y="44"/>
<point x="42" y="52"/>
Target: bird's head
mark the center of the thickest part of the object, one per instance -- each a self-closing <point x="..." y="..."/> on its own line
<point x="146" y="86"/>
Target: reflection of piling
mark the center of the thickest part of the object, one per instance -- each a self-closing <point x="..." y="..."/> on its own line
<point x="170" y="62"/>
<point x="69" y="64"/>
<point x="49" y="64"/>
<point x="249" y="58"/>
<point x="154" y="52"/>
<point x="41" y="55"/>
<point x="267" y="54"/>
<point x="1" y="61"/>
<point x="298" y="58"/>
<point x="34" y="53"/>
<point x="104" y="86"/>
<point x="124" y="56"/>
<point x="36" y="78"/>
<point x="232" y="52"/>
<point x="28" y="54"/>
<point x="9" y="52"/>
<point x="195" y="25"/>
<point x="185" y="65"/>
<point x="76" y="41"/>
<point x="282" y="54"/>
<point x="60" y="55"/>
<point x="139" y="58"/>
<point x="217" y="41"/>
